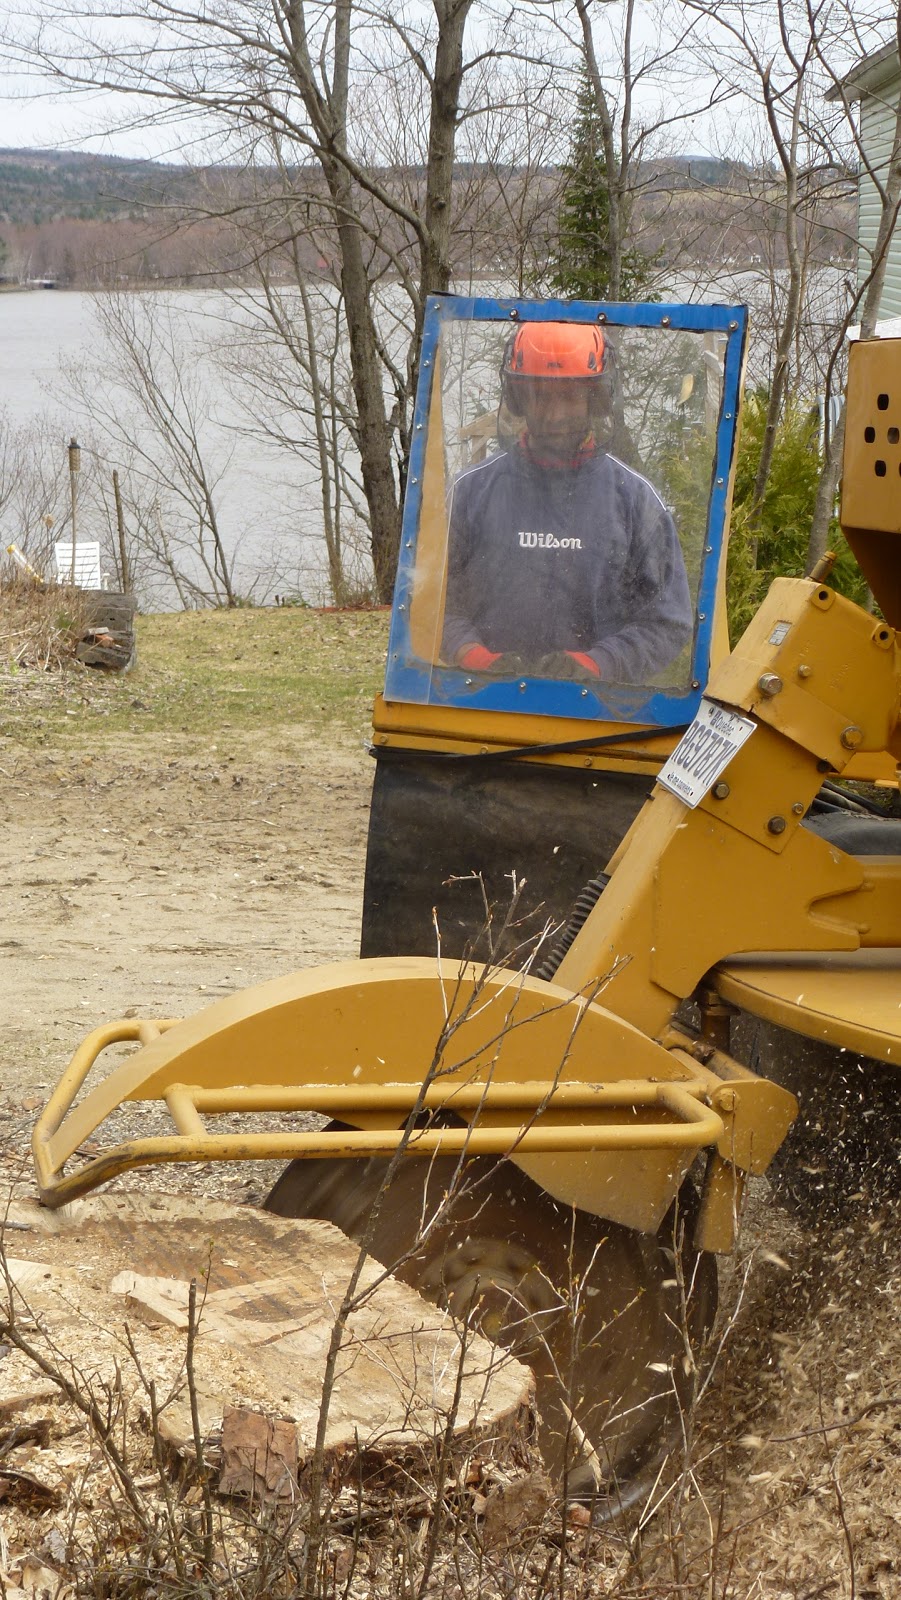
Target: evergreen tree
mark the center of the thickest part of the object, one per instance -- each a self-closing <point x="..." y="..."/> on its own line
<point x="581" y="268"/>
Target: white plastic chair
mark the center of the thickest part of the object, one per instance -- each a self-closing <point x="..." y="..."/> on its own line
<point x="87" y="564"/>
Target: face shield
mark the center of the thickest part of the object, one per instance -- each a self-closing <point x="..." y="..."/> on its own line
<point x="564" y="529"/>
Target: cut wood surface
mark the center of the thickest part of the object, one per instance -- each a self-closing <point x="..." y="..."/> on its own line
<point x="268" y="1290"/>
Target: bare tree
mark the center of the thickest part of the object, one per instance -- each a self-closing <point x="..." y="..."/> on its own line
<point x="35" y="503"/>
<point x="779" y="58"/>
<point x="154" y="559"/>
<point x="300" y="72"/>
<point x="286" y="361"/>
<point x="292" y="363"/>
<point x="147" y="403"/>
<point x="508" y="183"/>
<point x="638" y="62"/>
<point x="765" y="54"/>
<point x="302" y="404"/>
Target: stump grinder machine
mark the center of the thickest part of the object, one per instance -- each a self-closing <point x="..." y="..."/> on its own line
<point x="527" y="1103"/>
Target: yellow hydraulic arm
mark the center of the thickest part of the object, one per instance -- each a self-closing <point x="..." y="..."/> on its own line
<point x="822" y="680"/>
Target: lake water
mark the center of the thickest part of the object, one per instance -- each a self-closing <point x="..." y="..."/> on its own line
<point x="268" y="500"/>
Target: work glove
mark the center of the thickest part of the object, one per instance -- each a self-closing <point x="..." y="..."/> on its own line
<point x="477" y="658"/>
<point x="569" y="664"/>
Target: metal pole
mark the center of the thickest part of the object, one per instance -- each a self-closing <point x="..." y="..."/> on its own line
<point x="74" y="469"/>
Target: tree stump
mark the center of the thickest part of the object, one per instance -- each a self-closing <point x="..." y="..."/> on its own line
<point x="268" y="1292"/>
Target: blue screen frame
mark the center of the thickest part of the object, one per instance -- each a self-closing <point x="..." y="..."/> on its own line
<point x="410" y="679"/>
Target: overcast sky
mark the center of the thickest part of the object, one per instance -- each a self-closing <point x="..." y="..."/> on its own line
<point x="59" y="121"/>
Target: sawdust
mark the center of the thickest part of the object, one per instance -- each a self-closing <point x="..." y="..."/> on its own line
<point x="805" y="1465"/>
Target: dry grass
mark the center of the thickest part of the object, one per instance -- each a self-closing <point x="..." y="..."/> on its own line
<point x="208" y="673"/>
<point x="40" y="627"/>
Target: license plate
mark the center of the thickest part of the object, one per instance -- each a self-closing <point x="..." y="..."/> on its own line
<point x="704" y="751"/>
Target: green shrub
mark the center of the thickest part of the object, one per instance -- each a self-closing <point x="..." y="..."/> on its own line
<point x="774" y="544"/>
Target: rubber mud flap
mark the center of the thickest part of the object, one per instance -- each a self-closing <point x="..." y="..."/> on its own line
<point x="437" y="823"/>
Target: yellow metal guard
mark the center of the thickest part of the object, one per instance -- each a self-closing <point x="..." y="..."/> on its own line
<point x="372" y="1042"/>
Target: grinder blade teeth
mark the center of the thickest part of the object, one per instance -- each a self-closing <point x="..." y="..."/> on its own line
<point x="593" y="1308"/>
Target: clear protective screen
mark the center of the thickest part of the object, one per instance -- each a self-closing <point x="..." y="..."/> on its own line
<point x="564" y="501"/>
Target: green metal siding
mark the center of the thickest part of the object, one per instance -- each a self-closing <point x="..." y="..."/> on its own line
<point x="877" y="130"/>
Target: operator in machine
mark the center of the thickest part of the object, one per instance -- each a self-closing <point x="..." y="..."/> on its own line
<point x="563" y="562"/>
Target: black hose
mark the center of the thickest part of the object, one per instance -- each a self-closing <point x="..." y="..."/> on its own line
<point x="586" y="901"/>
<point x="827" y="808"/>
<point x="852" y="802"/>
<point x="597" y="742"/>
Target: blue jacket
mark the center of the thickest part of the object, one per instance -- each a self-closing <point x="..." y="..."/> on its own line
<point x="579" y="558"/>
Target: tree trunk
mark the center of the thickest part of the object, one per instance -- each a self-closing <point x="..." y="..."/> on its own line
<point x="124" y="573"/>
<point x="787" y="150"/>
<point x="373" y="429"/>
<point x="777" y="390"/>
<point x="447" y="78"/>
<point x="373" y="432"/>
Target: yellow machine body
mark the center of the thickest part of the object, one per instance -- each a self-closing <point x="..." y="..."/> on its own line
<point x="588" y="1084"/>
<point x="612" y="1097"/>
<point x="598" y="1097"/>
<point x="597" y="1113"/>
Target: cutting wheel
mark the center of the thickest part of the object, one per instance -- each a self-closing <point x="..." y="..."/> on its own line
<point x="605" y="1317"/>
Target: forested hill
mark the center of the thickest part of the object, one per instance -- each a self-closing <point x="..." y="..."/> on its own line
<point x="39" y="186"/>
<point x="80" y="220"/>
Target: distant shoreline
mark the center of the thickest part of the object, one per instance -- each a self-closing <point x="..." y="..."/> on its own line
<point x="32" y="288"/>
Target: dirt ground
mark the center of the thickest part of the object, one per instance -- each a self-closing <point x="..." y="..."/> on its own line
<point x="151" y="878"/>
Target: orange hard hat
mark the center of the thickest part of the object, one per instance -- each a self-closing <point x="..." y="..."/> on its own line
<point x="555" y="350"/>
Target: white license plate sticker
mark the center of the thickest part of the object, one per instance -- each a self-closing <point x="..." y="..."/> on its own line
<point x="704" y="751"/>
